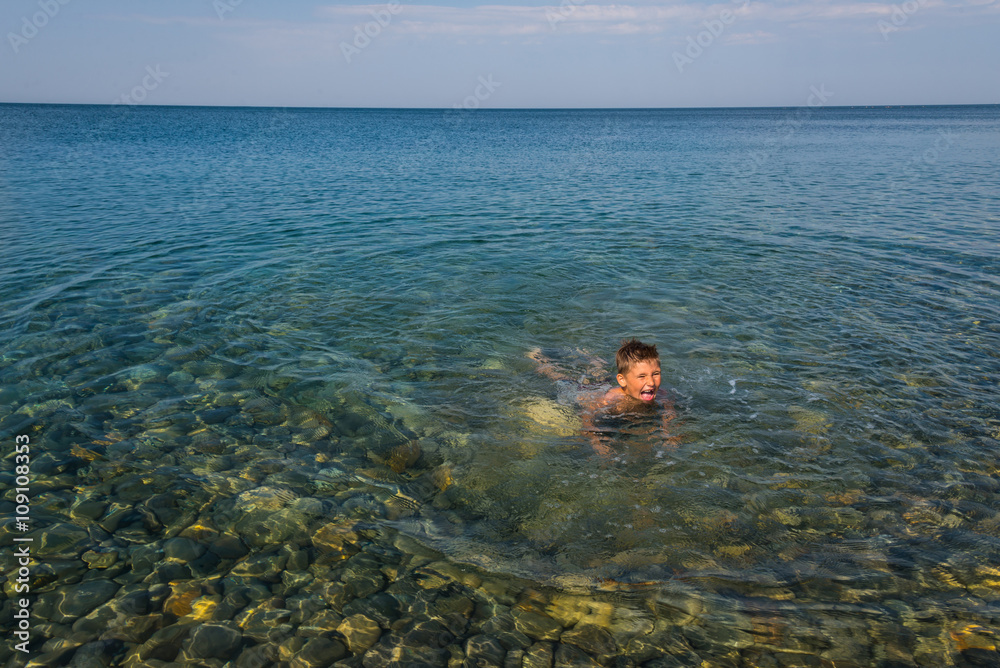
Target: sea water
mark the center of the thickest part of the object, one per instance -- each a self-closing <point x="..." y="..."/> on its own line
<point x="278" y="325"/>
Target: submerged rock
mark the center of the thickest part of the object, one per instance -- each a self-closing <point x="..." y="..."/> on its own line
<point x="290" y="647"/>
<point x="547" y="416"/>
<point x="265" y="623"/>
<point x="536" y="626"/>
<point x="180" y="379"/>
<point x="100" y="560"/>
<point x="261" y="528"/>
<point x="319" y="653"/>
<point x="58" y="657"/>
<point x="591" y="639"/>
<point x="321" y="624"/>
<point x="570" y="656"/>
<point x="484" y="650"/>
<point x="364" y="583"/>
<point x="360" y="633"/>
<point x="265" y="498"/>
<point x="303" y="606"/>
<point x="183" y="549"/>
<point x="97" y="654"/>
<point x="61" y="541"/>
<point x="337" y="540"/>
<point x="539" y="655"/>
<point x="165" y="644"/>
<point x="810" y="421"/>
<point x="75" y="601"/>
<point x="228" y="546"/>
<point x="267" y="567"/>
<point x="255" y="657"/>
<point x="418" y="644"/>
<point x="403" y="456"/>
<point x="132" y="600"/>
<point x="214" y="641"/>
<point x="91" y="509"/>
<point x="382" y="607"/>
<point x="96" y="622"/>
<point x="579" y="610"/>
<point x="295" y="580"/>
<point x="182" y="596"/>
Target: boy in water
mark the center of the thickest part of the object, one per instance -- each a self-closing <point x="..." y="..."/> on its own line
<point x="637" y="392"/>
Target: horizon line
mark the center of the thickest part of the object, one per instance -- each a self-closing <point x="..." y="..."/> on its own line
<point x="462" y="109"/>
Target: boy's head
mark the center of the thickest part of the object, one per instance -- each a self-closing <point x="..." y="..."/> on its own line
<point x="638" y="370"/>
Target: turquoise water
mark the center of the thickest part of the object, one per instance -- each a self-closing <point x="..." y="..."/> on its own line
<point x="219" y="317"/>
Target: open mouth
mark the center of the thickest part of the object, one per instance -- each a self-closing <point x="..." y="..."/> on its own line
<point x="647" y="395"/>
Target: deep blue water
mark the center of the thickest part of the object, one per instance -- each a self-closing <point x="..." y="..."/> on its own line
<point x="823" y="286"/>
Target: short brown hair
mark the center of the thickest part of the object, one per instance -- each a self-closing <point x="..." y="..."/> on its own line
<point x="632" y="352"/>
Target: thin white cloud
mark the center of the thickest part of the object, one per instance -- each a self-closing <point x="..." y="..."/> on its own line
<point x="523" y="20"/>
<point x="569" y="18"/>
<point x="618" y="19"/>
<point x="755" y="37"/>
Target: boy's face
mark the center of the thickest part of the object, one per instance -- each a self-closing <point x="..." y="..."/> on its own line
<point x="642" y="380"/>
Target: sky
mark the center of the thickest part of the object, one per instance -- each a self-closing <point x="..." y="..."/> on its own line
<point x="507" y="54"/>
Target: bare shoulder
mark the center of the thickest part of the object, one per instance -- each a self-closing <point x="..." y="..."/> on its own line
<point x="614" y="394"/>
<point x="595" y="401"/>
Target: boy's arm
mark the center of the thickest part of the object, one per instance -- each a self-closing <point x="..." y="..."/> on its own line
<point x="669" y="415"/>
<point x="588" y="416"/>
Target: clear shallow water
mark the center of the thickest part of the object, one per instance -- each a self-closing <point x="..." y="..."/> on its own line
<point x="337" y="305"/>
